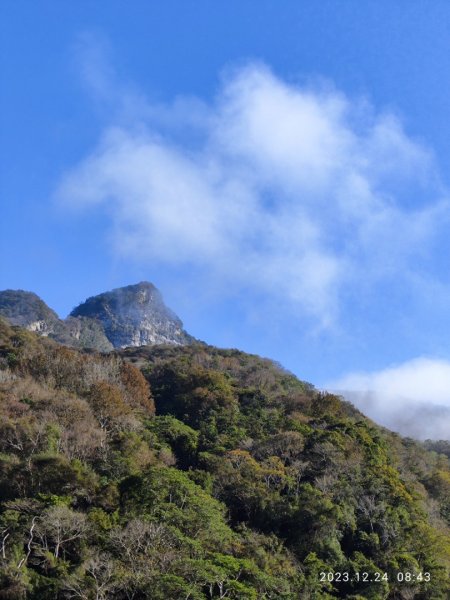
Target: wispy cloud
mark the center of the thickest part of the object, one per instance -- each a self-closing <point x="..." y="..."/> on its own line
<point x="412" y="398"/>
<point x="297" y="193"/>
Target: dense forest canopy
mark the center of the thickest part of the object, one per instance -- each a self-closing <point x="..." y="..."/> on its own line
<point x="189" y="472"/>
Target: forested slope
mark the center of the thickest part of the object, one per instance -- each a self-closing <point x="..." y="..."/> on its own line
<point x="194" y="473"/>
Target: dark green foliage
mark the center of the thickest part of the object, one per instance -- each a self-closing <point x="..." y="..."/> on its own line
<point x="178" y="436"/>
<point x="246" y="484"/>
<point x="439" y="446"/>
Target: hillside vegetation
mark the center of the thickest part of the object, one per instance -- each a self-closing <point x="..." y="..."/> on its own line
<point x="189" y="472"/>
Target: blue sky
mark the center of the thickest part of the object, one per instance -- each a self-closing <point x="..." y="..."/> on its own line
<point x="278" y="170"/>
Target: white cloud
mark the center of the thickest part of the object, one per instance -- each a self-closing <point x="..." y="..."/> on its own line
<point x="412" y="398"/>
<point x="286" y="190"/>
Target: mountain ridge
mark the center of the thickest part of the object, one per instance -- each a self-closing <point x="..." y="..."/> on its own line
<point x="132" y="315"/>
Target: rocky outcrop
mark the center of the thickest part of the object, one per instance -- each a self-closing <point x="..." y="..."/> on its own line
<point x="134" y="315"/>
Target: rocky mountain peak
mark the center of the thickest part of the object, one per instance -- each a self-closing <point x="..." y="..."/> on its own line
<point x="134" y="315"/>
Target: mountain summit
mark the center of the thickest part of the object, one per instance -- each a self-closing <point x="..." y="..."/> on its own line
<point x="134" y="315"/>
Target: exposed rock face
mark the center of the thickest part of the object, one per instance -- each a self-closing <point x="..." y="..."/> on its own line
<point x="134" y="316"/>
<point x="130" y="316"/>
<point x="82" y="332"/>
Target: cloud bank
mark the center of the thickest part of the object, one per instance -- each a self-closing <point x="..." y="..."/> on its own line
<point x="292" y="192"/>
<point x="412" y="398"/>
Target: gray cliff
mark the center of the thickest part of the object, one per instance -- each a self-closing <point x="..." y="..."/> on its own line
<point x="134" y="315"/>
